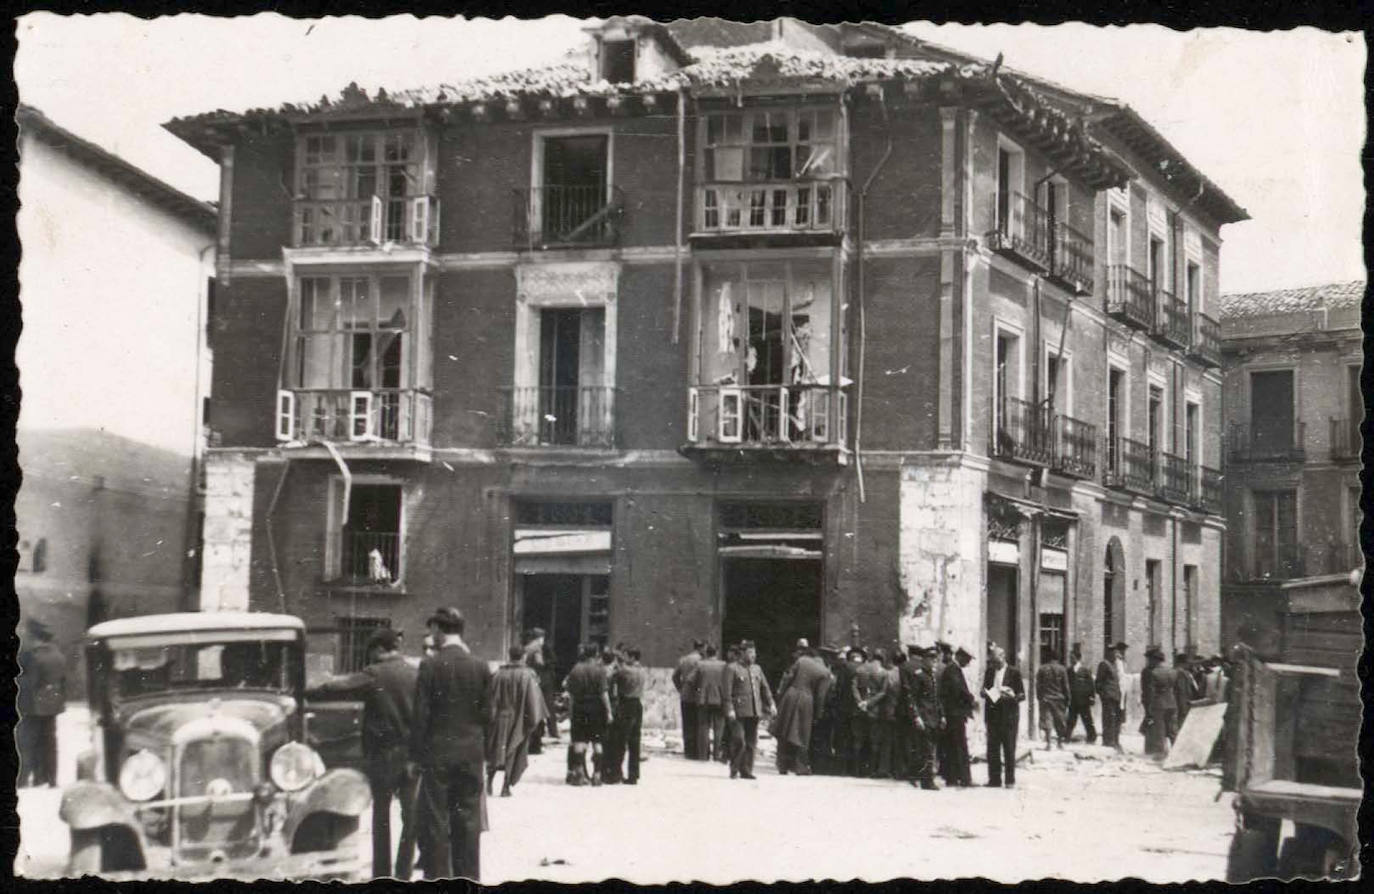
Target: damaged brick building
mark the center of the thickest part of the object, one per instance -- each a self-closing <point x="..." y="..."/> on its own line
<point x="718" y="330"/>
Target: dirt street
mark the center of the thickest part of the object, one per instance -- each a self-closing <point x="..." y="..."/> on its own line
<point x="1082" y="814"/>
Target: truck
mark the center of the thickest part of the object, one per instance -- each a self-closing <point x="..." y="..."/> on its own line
<point x="1291" y="738"/>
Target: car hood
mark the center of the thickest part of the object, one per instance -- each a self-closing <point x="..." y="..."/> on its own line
<point x="160" y="725"/>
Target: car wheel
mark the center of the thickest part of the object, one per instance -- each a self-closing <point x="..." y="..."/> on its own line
<point x="1251" y="856"/>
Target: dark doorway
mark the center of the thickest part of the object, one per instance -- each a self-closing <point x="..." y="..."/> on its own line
<point x="1271" y="411"/>
<point x="773" y="602"/>
<point x="560" y="340"/>
<point x="571" y="608"/>
<point x="574" y="186"/>
<point x="1113" y="595"/>
<point x="1003" y="582"/>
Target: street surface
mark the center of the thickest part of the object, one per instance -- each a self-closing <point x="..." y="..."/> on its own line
<point x="1081" y="814"/>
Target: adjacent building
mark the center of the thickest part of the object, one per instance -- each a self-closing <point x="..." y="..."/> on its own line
<point x="719" y="330"/>
<point x="1294" y="407"/>
<point x="114" y="277"/>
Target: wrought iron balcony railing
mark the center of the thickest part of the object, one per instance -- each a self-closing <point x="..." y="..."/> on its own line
<point x="1021" y="431"/>
<point x="1345" y="439"/>
<point x="1075" y="447"/>
<point x="368" y="557"/>
<point x="785" y="206"/>
<point x="1173" y="481"/>
<point x="767" y="415"/>
<point x="1071" y="259"/>
<point x="1021" y="230"/>
<point x="1130" y="297"/>
<point x="1267" y="442"/>
<point x="1130" y="465"/>
<point x="341" y="223"/>
<point x="559" y="416"/>
<point x="380" y="416"/>
<point x="1171" y="319"/>
<point x="579" y="215"/>
<point x="1206" y="345"/>
<point x="1209" y="495"/>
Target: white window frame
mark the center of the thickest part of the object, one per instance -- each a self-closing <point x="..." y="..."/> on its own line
<point x="1119" y="203"/>
<point x="693" y="414"/>
<point x="333" y="528"/>
<point x="286" y="415"/>
<point x="1124" y="413"/>
<point x="1004" y="328"/>
<point x="1063" y="399"/>
<point x="539" y="139"/>
<point x="1016" y="171"/>
<point x="1192" y="398"/>
<point x="737" y="394"/>
<point x="366" y="432"/>
<point x="1155" y="380"/>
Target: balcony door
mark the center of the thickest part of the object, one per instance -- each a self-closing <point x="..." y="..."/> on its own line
<point x="1271" y="411"/>
<point x="1275" y="534"/>
<point x="573" y="192"/>
<point x="571" y="363"/>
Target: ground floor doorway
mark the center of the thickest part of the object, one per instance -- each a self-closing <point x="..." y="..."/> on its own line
<point x="1003" y="582"/>
<point x="773" y="602"/>
<point x="571" y="608"/>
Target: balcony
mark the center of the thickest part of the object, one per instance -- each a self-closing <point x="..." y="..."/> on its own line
<point x="1345" y="439"/>
<point x="1174" y="481"/>
<point x="770" y="208"/>
<point x="1267" y="442"/>
<point x="368" y="420"/>
<point x="1071" y="259"/>
<point x="559" y="416"/>
<point x="346" y="223"/>
<point x="1075" y="447"/>
<point x="582" y="216"/>
<point x="1021" y="432"/>
<point x="1208" y="495"/>
<point x="368" y="558"/>
<point x="1130" y="297"/>
<point x="1282" y="561"/>
<point x="1022" y="232"/>
<point x="1171" y="320"/>
<point x="1130" y="466"/>
<point x="790" y="422"/>
<point x="1206" y="345"/>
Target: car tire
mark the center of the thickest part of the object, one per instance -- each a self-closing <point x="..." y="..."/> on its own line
<point x="1251" y="856"/>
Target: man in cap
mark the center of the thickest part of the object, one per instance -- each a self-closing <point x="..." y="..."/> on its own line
<point x="1158" y="696"/>
<point x="533" y="657"/>
<point x="627" y="691"/>
<point x="1052" y="694"/>
<point x="684" y="682"/>
<point x="747" y="699"/>
<point x="823" y="739"/>
<point x="588" y="687"/>
<point x="956" y="704"/>
<point x="846" y="702"/>
<point x="386" y="687"/>
<point x="876" y="700"/>
<point x="448" y="739"/>
<point x="925" y="718"/>
<point x="42" y="696"/>
<point x="1111" y="672"/>
<point x="1003" y="692"/>
<point x="1082" y="694"/>
<point x="800" y="695"/>
<point x="708" y="681"/>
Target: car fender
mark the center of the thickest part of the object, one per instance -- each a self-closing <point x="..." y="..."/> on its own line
<point x="90" y="805"/>
<point x="343" y="791"/>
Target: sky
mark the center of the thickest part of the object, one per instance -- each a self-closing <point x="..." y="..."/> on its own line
<point x="1275" y="118"/>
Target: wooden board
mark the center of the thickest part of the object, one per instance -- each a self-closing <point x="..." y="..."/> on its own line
<point x="1195" y="740"/>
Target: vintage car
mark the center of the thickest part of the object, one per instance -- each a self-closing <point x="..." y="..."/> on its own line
<point x="202" y="762"/>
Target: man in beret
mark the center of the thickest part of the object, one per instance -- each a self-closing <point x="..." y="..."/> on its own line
<point x="448" y="739"/>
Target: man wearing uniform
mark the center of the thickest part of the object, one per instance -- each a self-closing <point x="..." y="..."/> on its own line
<point x="899" y="678"/>
<point x="944" y="657"/>
<point x="627" y="688"/>
<point x="1052" y="694"/>
<point x="925" y="721"/>
<point x="685" y="682"/>
<point x="588" y="688"/>
<point x="956" y="704"/>
<point x="747" y="700"/>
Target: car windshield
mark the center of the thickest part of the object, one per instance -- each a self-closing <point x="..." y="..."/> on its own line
<point x="141" y="670"/>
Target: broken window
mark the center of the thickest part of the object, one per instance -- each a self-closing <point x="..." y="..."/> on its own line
<point x="367" y="544"/>
<point x="359" y="187"/>
<point x="766" y="362"/>
<point x="355" y="360"/>
<point x="778" y="147"/>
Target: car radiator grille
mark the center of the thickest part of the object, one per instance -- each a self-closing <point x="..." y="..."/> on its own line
<point x="220" y="765"/>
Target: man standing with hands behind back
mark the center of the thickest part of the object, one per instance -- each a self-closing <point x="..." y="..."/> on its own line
<point x="684" y="678"/>
<point x="747" y="698"/>
<point x="1003" y="692"/>
<point x="449" y="741"/>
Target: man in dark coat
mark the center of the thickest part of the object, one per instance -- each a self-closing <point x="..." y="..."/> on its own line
<point x="956" y="705"/>
<point x="1185" y="690"/>
<point x="823" y="735"/>
<point x="876" y="694"/>
<point x="516" y="714"/>
<point x="533" y="657"/>
<point x="1052" y="695"/>
<point x="944" y="657"/>
<point x="588" y="687"/>
<point x="801" y="694"/>
<point x="42" y="696"/>
<point x="925" y="718"/>
<point x="386" y="688"/>
<point x="1003" y="692"/>
<point x="684" y="682"/>
<point x="1158" y="696"/>
<point x="627" y="693"/>
<point x="708" y="681"/>
<point x="747" y="700"/>
<point x="1111" y="671"/>
<point x="1082" y="694"/>
<point x="846" y="702"/>
<point x="449" y="740"/>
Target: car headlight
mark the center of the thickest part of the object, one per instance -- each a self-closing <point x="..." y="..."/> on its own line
<point x="143" y="776"/>
<point x="294" y="766"/>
